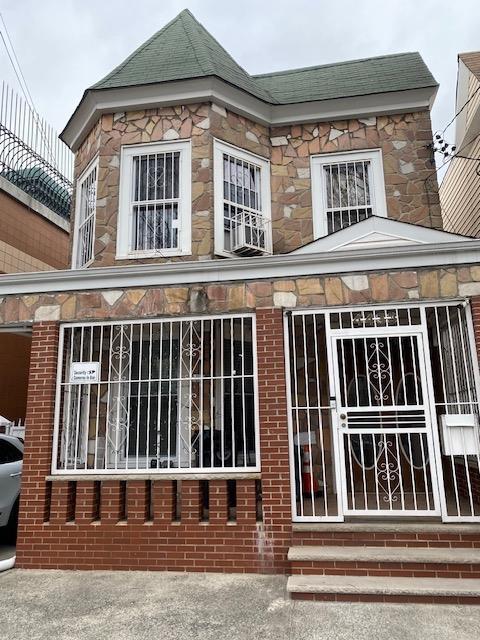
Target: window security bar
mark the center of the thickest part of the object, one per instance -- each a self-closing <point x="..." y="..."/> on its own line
<point x="157" y="396"/>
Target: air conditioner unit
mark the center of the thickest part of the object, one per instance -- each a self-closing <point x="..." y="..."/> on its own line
<point x="249" y="235"/>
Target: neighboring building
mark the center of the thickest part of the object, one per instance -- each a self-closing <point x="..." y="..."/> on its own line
<point x="460" y="188"/>
<point x="35" y="198"/>
<point x="264" y="356"/>
<point x="35" y="190"/>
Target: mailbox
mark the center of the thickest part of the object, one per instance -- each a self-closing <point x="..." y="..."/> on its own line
<point x="460" y="434"/>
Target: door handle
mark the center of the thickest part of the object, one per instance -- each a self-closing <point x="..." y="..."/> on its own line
<point x="15" y="475"/>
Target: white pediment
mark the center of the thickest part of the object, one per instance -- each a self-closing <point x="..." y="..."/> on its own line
<point x="378" y="232"/>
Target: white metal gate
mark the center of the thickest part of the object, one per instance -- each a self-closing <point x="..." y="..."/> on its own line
<point x="383" y="412"/>
<point x="383" y="420"/>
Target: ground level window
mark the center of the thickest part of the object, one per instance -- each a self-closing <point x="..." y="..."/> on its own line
<point x="157" y="395"/>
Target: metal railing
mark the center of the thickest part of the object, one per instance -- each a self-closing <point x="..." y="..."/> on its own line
<point x="32" y="157"/>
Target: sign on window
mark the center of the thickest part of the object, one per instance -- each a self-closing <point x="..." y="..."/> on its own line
<point x="84" y="372"/>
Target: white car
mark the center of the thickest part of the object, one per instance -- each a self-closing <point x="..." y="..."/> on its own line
<point x="11" y="462"/>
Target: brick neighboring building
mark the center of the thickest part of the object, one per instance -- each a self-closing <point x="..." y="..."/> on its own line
<point x="264" y="356"/>
<point x="34" y="229"/>
<point x="32" y="236"/>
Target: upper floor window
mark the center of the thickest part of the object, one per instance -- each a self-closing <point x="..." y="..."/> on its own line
<point x="86" y="202"/>
<point x="242" y="202"/>
<point x="346" y="188"/>
<point x="155" y="200"/>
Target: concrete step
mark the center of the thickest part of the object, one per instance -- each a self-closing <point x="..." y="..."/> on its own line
<point x="470" y="528"/>
<point x="423" y="555"/>
<point x="384" y="589"/>
<point x="404" y="534"/>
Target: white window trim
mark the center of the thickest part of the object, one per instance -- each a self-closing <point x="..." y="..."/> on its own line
<point x="80" y="180"/>
<point x="219" y="148"/>
<point x="185" y="209"/>
<point x="377" y="190"/>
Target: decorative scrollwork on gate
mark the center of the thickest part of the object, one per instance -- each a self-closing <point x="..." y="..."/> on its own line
<point x="117" y="418"/>
<point x="388" y="471"/>
<point x="379" y="370"/>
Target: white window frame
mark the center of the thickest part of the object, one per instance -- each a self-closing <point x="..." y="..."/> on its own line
<point x="124" y="229"/>
<point x="377" y="184"/>
<point x="219" y="148"/>
<point x="93" y="166"/>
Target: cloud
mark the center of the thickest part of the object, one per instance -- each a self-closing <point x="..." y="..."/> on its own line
<point x="66" y="46"/>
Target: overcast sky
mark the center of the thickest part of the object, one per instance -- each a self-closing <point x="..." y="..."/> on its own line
<point x="66" y="45"/>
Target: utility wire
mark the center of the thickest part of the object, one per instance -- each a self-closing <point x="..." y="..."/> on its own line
<point x="455" y="155"/>
<point x="24" y="87"/>
<point x="25" y="91"/>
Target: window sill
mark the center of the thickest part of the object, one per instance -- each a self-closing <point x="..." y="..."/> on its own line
<point x="167" y="253"/>
<point x="209" y="475"/>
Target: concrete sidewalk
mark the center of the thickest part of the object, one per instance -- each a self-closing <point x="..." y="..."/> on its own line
<point x="54" y="605"/>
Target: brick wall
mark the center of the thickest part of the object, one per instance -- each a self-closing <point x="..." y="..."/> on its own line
<point x="157" y="524"/>
<point x="38" y="433"/>
<point x="28" y="241"/>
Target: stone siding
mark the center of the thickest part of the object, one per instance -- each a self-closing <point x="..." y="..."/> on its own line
<point x="411" y="189"/>
<point x="375" y="287"/>
<point x="403" y="140"/>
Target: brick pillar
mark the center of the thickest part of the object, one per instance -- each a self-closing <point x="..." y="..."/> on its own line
<point x="163" y="500"/>
<point x="218" y="509"/>
<point x="38" y="434"/>
<point x="475" y="306"/>
<point x="246" y="502"/>
<point x="112" y="502"/>
<point x="59" y="505"/>
<point x="137" y="501"/>
<point x="191" y="502"/>
<point x="274" y="450"/>
<point x="86" y="507"/>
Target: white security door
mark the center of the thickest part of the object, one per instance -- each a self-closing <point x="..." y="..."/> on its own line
<point x="383" y="416"/>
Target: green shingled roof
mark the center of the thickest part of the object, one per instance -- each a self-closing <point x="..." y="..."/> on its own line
<point x="184" y="49"/>
<point x="353" y="78"/>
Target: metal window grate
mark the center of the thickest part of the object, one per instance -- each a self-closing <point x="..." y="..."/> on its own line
<point x="347" y="193"/>
<point x="244" y="223"/>
<point x="384" y="412"/>
<point x="156" y="201"/>
<point x="170" y="395"/>
<point x="87" y="194"/>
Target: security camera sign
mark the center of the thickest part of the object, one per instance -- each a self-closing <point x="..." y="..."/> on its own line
<point x="84" y="372"/>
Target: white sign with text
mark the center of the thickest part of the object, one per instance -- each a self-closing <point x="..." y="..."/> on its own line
<point x="84" y="372"/>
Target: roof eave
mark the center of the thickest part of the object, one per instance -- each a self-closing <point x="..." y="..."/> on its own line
<point x="212" y="89"/>
<point x="375" y="259"/>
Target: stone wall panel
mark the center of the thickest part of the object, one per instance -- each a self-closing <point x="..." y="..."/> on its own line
<point x="411" y="189"/>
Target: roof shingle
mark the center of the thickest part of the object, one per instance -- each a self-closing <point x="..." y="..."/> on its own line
<point x="184" y="49"/>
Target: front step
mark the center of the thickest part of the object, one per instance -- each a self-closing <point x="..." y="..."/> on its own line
<point x="402" y="534"/>
<point x="419" y="562"/>
<point x="384" y="589"/>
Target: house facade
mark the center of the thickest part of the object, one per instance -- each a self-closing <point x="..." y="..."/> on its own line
<point x="459" y="188"/>
<point x="264" y="356"/>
